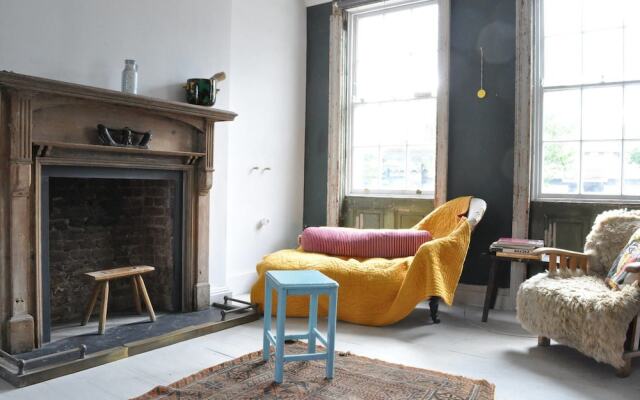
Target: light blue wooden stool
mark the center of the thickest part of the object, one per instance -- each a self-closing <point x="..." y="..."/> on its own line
<point x="312" y="283"/>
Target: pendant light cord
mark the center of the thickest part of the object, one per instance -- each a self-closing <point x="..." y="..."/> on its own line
<point x="481" y="68"/>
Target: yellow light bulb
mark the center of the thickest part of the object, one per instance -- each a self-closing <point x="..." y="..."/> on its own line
<point x="482" y="94"/>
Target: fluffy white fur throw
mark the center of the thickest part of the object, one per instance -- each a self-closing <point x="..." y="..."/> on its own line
<point x="581" y="311"/>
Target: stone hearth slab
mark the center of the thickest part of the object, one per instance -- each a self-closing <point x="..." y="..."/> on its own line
<point x="119" y="342"/>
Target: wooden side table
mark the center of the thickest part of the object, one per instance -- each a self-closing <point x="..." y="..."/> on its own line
<point x="498" y="259"/>
<point x="102" y="278"/>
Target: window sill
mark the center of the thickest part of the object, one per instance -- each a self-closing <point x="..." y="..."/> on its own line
<point x="391" y="196"/>
<point x="574" y="200"/>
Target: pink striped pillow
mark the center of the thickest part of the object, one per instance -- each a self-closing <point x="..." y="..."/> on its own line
<point x="367" y="243"/>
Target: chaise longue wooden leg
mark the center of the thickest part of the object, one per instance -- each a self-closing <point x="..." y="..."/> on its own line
<point x="544" y="341"/>
<point x="433" y="308"/>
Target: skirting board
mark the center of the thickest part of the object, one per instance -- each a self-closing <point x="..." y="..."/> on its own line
<point x="217" y="293"/>
<point x="473" y="295"/>
<point x="242" y="283"/>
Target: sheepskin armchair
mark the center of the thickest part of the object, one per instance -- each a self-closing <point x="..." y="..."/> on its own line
<point x="572" y="304"/>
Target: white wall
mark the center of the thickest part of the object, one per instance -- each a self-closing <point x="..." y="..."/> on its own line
<point x="86" y="41"/>
<point x="268" y="61"/>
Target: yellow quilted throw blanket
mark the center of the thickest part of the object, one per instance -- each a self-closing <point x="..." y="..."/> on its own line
<point x="380" y="291"/>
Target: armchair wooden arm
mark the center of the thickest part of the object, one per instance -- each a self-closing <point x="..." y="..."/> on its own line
<point x="564" y="259"/>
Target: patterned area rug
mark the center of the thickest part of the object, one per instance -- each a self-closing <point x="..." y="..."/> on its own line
<point x="248" y="377"/>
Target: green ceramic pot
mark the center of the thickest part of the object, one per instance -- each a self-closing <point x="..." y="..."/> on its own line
<point x="201" y="91"/>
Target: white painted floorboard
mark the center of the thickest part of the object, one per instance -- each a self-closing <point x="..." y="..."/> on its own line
<point x="499" y="351"/>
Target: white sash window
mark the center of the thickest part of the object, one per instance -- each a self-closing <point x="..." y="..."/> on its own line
<point x="586" y="100"/>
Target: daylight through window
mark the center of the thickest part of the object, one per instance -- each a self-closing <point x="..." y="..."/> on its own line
<point x="392" y="95"/>
<point x="587" y="99"/>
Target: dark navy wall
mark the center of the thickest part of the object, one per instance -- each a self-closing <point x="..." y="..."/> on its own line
<point x="317" y="120"/>
<point x="481" y="132"/>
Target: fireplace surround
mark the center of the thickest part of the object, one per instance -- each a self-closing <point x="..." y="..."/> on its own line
<point x="49" y="126"/>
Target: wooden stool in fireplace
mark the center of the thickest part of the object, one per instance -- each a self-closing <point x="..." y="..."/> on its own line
<point x="102" y="278"/>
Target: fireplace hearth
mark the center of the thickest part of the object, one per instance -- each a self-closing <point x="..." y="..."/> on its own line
<point x="74" y="204"/>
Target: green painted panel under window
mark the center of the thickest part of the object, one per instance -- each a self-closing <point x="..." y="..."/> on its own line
<point x="387" y="213"/>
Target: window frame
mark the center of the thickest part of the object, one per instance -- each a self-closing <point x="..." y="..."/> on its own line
<point x="349" y="105"/>
<point x="537" y="142"/>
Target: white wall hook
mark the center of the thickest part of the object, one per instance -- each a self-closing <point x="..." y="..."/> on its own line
<point x="265" y="169"/>
<point x="254" y="169"/>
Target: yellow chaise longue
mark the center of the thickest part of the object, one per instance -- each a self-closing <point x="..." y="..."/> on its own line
<point x="378" y="291"/>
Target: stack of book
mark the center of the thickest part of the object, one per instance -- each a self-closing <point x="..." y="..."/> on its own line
<point x="516" y="248"/>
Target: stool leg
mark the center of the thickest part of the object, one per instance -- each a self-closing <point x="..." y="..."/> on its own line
<point x="281" y="318"/>
<point x="313" y="323"/>
<point x="266" y="344"/>
<point x="331" y="331"/>
<point x="92" y="304"/>
<point x="103" y="309"/>
<point x="145" y="296"/>
<point x="136" y="295"/>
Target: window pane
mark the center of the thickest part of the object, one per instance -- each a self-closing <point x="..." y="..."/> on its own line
<point x="364" y="174"/>
<point x="562" y="60"/>
<point x="560" y="168"/>
<point x="598" y="14"/>
<point x="602" y="56"/>
<point x="394" y="123"/>
<point x="368" y="125"/>
<point x="422" y="168"/>
<point x="561" y="115"/>
<point x="407" y="122"/>
<point x="402" y="42"/>
<point x="631" y="13"/>
<point x="601" y="168"/>
<point x="367" y="62"/>
<point x="420" y="121"/>
<point x="602" y="113"/>
<point x="632" y="52"/>
<point x="564" y="16"/>
<point x="393" y="167"/>
<point x="421" y="48"/>
<point x="632" y="112"/>
<point x="631" y="168"/>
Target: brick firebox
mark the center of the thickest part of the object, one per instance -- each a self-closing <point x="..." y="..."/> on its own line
<point x="96" y="223"/>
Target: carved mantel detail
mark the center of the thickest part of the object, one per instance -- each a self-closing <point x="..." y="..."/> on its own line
<point x="45" y="122"/>
<point x="206" y="171"/>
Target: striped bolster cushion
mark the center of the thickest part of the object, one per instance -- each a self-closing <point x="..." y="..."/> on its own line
<point x="367" y="243"/>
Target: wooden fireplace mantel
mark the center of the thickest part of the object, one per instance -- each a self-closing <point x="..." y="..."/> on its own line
<point x="50" y="86"/>
<point x="45" y="122"/>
